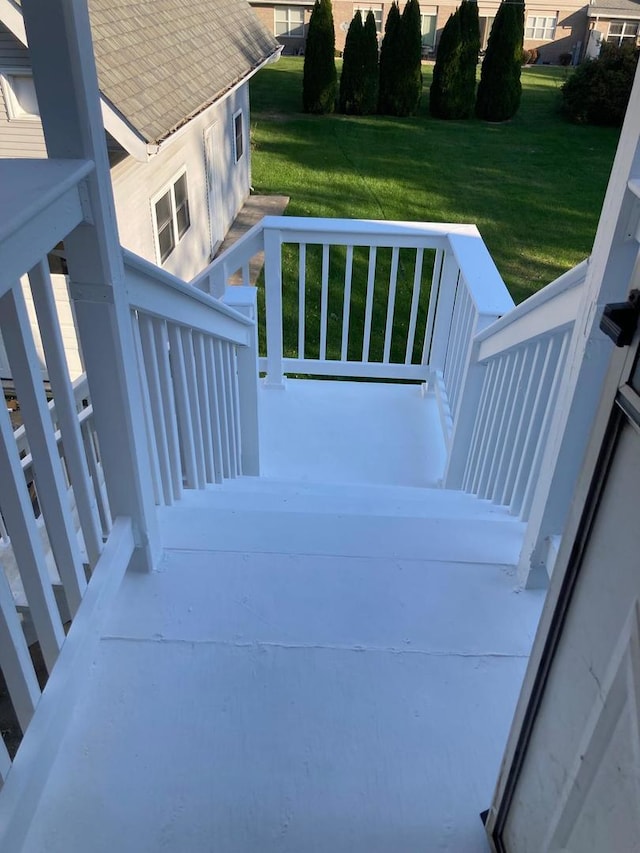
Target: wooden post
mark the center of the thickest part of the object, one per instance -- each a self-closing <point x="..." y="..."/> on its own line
<point x="273" y="306"/>
<point x="245" y="299"/>
<point x="59" y="37"/>
<point x="443" y="311"/>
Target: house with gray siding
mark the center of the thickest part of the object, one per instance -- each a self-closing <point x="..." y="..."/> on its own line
<point x="175" y="106"/>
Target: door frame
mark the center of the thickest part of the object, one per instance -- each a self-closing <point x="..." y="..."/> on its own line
<point x="602" y="445"/>
<point x="213" y="133"/>
<point x="615" y="270"/>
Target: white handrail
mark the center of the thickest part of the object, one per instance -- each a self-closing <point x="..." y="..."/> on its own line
<point x="553" y="307"/>
<point x="215" y="277"/>
<point x="567" y="281"/>
<point x="143" y="271"/>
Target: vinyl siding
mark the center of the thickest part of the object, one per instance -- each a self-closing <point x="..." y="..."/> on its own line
<point x="135" y="184"/>
<point x="18" y="138"/>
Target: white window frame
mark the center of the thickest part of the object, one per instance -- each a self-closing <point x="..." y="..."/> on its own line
<point x="620" y="38"/>
<point x="431" y="45"/>
<point x="546" y="23"/>
<point x="170" y="188"/>
<point x="288" y="23"/>
<point x="237" y="157"/>
<point x="15" y="112"/>
<point x="377" y="14"/>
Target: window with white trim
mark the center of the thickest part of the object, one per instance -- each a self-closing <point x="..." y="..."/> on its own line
<point x="289" y="22"/>
<point x="541" y="27"/>
<point x="428" y="31"/>
<point x="623" y="32"/>
<point x="486" y="22"/>
<point x="20" y="95"/>
<point x="377" y="14"/>
<point x="171" y="215"/>
<point x="238" y="135"/>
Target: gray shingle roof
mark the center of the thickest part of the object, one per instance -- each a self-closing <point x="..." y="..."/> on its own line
<point x="162" y="61"/>
<point x="615" y="8"/>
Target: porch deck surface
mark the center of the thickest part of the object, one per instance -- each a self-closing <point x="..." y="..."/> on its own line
<point x="326" y="431"/>
<point x="313" y="668"/>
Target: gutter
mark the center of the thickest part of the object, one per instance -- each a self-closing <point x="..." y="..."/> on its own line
<point x="154" y="148"/>
<point x="113" y="120"/>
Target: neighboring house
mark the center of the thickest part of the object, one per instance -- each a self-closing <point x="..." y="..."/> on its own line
<point x="175" y="104"/>
<point x="553" y="30"/>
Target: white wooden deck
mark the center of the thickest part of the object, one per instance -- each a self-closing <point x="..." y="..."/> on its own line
<point x="311" y="668"/>
<point x="327" y="431"/>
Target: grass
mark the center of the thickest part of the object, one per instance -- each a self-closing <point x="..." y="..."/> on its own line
<point x="533" y="186"/>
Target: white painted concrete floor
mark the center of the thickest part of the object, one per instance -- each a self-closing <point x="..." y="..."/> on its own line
<point x="313" y="668"/>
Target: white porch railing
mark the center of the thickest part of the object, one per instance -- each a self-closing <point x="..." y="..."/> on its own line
<point x="193" y="382"/>
<point x="368" y="299"/>
<point x="44" y="461"/>
<point x="54" y="509"/>
<point x="421" y="302"/>
<point x="514" y="375"/>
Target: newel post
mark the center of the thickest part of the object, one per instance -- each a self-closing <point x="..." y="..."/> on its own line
<point x="245" y="300"/>
<point x="465" y="420"/>
<point x="273" y="306"/>
<point x="444" y="296"/>
<point x="59" y="35"/>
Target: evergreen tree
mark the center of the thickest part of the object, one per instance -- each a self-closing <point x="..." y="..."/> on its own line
<point x="319" y="80"/>
<point x="445" y="86"/>
<point x="410" y="58"/>
<point x="370" y="65"/>
<point x="352" y="77"/>
<point x="400" y="66"/>
<point x="500" y="89"/>
<point x="470" y="29"/>
<point x="389" y="51"/>
<point x="453" y="90"/>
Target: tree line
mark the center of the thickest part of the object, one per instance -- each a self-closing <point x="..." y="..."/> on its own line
<point x="388" y="81"/>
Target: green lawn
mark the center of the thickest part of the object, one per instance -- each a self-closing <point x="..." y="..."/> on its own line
<point x="534" y="186"/>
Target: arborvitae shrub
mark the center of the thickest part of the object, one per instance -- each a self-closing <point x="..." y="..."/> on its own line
<point x="352" y="77"/>
<point x="400" y="61"/>
<point x="445" y="86"/>
<point x="597" y="92"/>
<point x="410" y="71"/>
<point x="470" y="30"/>
<point x="453" y="90"/>
<point x="500" y="89"/>
<point x="389" y="51"/>
<point x="370" y="65"/>
<point x="319" y="80"/>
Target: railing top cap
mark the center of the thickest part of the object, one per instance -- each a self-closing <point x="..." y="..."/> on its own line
<point x="29" y="186"/>
<point x="316" y="225"/>
<point x="140" y="265"/>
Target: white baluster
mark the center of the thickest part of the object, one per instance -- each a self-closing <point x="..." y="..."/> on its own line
<point x="415" y="302"/>
<point x="391" y="304"/>
<point x="65" y="409"/>
<point x="324" y="302"/>
<point x="52" y="491"/>
<point x="368" y="311"/>
<point x="346" y="305"/>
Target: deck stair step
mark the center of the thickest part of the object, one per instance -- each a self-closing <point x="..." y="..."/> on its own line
<point x="349" y="521"/>
<point x="254" y="493"/>
<point x="323" y="668"/>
